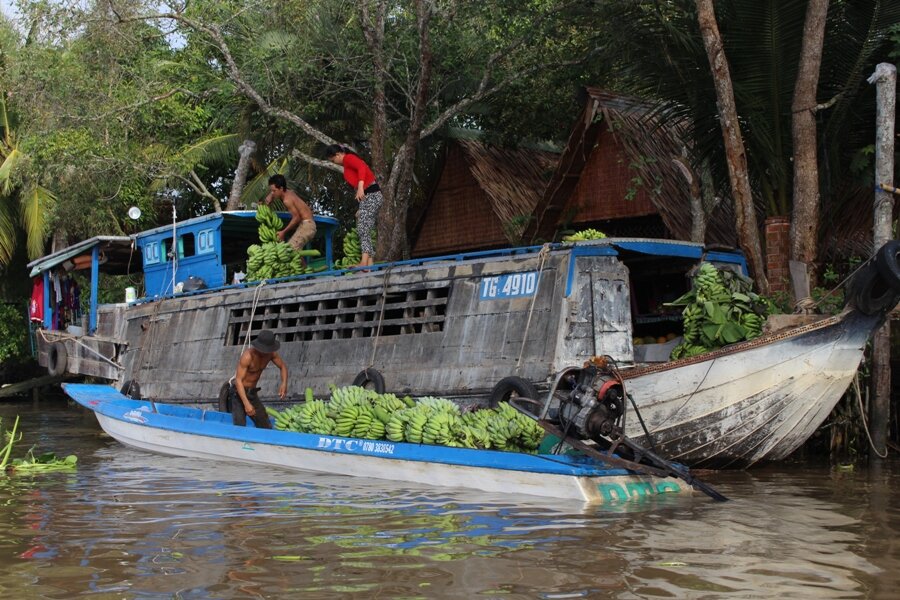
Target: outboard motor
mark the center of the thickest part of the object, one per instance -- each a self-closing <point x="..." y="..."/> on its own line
<point x="595" y="406"/>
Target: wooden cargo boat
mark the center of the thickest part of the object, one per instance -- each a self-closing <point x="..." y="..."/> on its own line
<point x="185" y="431"/>
<point x="458" y="326"/>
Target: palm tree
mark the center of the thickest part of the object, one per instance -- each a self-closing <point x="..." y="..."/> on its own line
<point x="660" y="56"/>
<point x="24" y="203"/>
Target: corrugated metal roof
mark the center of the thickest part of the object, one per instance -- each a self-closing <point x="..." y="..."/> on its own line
<point x="107" y="242"/>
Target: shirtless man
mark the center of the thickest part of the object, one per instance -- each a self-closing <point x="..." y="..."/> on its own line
<point x="243" y="391"/>
<point x="301" y="214"/>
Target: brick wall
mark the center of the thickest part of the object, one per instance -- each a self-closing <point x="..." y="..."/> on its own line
<point x="778" y="251"/>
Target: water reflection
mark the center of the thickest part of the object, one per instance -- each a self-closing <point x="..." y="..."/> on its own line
<point x="135" y="525"/>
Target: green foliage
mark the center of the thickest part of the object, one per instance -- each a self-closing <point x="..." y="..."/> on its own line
<point x="720" y="309"/>
<point x="657" y="53"/>
<point x="30" y="464"/>
<point x="13" y="332"/>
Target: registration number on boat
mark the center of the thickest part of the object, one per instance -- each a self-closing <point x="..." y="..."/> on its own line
<point x="511" y="285"/>
<point x="355" y="445"/>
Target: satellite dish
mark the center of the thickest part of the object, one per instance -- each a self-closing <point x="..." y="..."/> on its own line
<point x="134" y="212"/>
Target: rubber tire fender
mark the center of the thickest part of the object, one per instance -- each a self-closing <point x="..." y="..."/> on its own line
<point x="508" y="386"/>
<point x="870" y="293"/>
<point x="224" y="404"/>
<point x="57" y="359"/>
<point x="887" y="263"/>
<point x="132" y="389"/>
<point x="370" y="376"/>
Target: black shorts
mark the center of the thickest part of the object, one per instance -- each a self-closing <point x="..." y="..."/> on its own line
<point x="239" y="415"/>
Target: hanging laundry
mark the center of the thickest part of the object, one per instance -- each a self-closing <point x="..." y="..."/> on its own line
<point x="36" y="306"/>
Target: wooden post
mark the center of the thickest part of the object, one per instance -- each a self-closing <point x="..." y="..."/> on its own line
<point x="885" y="78"/>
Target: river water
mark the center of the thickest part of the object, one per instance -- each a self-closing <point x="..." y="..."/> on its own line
<point x="128" y="524"/>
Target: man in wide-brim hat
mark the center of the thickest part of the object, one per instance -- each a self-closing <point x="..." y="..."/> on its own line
<point x="242" y="391"/>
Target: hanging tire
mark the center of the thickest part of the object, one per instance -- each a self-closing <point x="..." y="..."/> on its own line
<point x="370" y="379"/>
<point x="57" y="359"/>
<point x="224" y="404"/>
<point x="870" y="293"/>
<point x="132" y="389"/>
<point x="886" y="260"/>
<point x="510" y="387"/>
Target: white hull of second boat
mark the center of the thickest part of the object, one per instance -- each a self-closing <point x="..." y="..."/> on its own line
<point x="759" y="400"/>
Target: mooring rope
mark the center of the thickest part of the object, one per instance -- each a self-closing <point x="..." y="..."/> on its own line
<point x="43" y="335"/>
<point x="862" y="415"/>
<point x="256" y="292"/>
<point x="544" y="252"/>
<point x="387" y="272"/>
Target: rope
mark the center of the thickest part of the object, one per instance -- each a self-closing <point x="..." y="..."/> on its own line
<point x="256" y="292"/>
<point x="151" y="331"/>
<point x="862" y="415"/>
<point x="387" y="272"/>
<point x="82" y="344"/>
<point x="544" y="252"/>
<point x="805" y="305"/>
<point x="838" y="286"/>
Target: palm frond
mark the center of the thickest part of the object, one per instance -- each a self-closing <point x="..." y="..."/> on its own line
<point x="7" y="231"/>
<point x="35" y="205"/>
<point x="4" y="123"/>
<point x="258" y="187"/>
<point x="216" y="150"/>
<point x="10" y="162"/>
<point x="276" y="41"/>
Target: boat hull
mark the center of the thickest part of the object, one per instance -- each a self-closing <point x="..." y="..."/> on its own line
<point x="755" y="401"/>
<point x="209" y="435"/>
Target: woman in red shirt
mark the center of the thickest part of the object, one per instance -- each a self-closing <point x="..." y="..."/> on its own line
<point x="368" y="194"/>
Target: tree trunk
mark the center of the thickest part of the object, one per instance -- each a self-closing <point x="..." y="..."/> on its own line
<point x="805" y="222"/>
<point x="745" y="212"/>
<point x="240" y="174"/>
<point x="698" y="214"/>
<point x="885" y="76"/>
<point x="397" y="188"/>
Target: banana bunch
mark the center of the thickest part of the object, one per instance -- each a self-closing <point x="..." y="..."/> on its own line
<point x="415" y="424"/>
<point x="343" y="397"/>
<point x="442" y="428"/>
<point x="709" y="286"/>
<point x="391" y="403"/>
<point x="586" y="234"/>
<point x="440" y="404"/>
<point x="274" y="258"/>
<point x="269" y="223"/>
<point x="395" y="428"/>
<point x="360" y="413"/>
<point x="720" y="309"/>
<point x="352" y="250"/>
<point x="753" y="323"/>
<point x="477" y="428"/>
<point x="277" y="259"/>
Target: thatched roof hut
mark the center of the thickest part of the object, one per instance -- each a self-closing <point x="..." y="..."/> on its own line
<point x="618" y="170"/>
<point x="483" y="198"/>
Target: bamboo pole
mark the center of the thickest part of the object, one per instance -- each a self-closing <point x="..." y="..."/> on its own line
<point x="885" y="79"/>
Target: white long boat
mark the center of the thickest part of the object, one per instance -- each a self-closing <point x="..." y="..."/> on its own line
<point x="752" y="401"/>
<point x="186" y="431"/>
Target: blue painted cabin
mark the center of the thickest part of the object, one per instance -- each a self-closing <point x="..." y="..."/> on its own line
<point x="211" y="248"/>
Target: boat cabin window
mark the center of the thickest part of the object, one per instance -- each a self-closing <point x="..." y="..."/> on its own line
<point x="186" y="246"/>
<point x="152" y="253"/>
<point x="206" y="241"/>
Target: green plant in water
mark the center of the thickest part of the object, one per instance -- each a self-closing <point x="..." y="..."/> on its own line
<point x="41" y="463"/>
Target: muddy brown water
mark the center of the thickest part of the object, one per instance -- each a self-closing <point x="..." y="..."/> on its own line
<point x="127" y="524"/>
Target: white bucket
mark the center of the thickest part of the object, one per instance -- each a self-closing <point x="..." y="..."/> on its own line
<point x="130" y="294"/>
